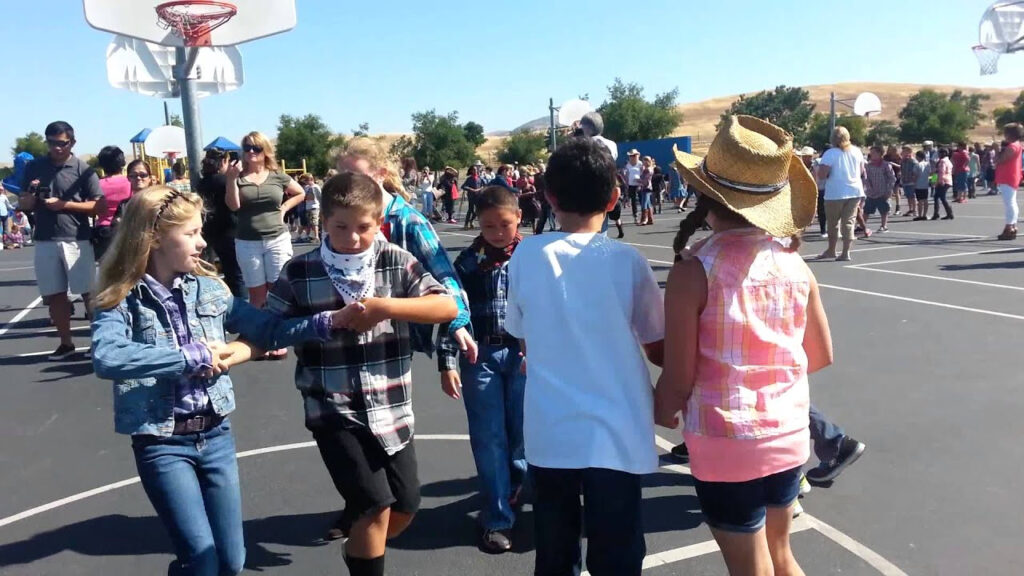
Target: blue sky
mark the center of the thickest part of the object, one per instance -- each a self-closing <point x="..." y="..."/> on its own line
<point x="494" y="62"/>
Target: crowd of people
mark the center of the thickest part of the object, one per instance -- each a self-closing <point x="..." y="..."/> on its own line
<point x="543" y="310"/>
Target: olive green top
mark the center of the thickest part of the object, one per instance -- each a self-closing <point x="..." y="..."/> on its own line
<point x="259" y="217"/>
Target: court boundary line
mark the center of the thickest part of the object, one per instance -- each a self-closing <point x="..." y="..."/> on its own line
<point x="20" y="315"/>
<point x="931" y="277"/>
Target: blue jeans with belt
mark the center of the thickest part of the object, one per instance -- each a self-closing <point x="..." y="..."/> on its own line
<point x="493" y="389"/>
<point x="192" y="482"/>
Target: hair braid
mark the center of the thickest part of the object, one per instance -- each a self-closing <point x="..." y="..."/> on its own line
<point x="690" y="224"/>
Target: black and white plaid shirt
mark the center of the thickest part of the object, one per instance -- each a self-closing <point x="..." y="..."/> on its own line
<point x="356" y="380"/>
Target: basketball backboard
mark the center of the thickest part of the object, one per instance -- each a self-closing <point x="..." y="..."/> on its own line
<point x="867" y="104"/>
<point x="166" y="140"/>
<point x="572" y="111"/>
<point x="1002" y="27"/>
<point x="138" y="19"/>
<point x="148" y="69"/>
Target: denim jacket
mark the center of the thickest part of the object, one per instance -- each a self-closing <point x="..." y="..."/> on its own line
<point x="133" y="345"/>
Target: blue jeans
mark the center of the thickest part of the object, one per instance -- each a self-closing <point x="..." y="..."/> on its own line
<point x="614" y="524"/>
<point x="827" y="437"/>
<point x="493" y="389"/>
<point x="428" y="204"/>
<point x="192" y="482"/>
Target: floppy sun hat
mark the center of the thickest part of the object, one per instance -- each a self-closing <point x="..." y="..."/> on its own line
<point x="751" y="169"/>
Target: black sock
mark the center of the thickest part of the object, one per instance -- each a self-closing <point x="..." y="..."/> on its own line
<point x="365" y="566"/>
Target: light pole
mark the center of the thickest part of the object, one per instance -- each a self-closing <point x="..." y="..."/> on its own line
<point x="552" y="137"/>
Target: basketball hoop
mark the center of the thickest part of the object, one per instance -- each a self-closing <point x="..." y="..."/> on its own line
<point x="988" y="60"/>
<point x="193" y="20"/>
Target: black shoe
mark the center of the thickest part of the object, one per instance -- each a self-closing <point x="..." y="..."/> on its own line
<point x="950" y="217"/>
<point x="936" y="217"/>
<point x="919" y="218"/>
<point x="496" y="541"/>
<point x="342" y="526"/>
<point x="681" y="452"/>
<point x="63" y="352"/>
<point x="849" y="452"/>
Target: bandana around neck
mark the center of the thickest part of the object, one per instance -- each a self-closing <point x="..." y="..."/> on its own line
<point x="489" y="257"/>
<point x="353" y="275"/>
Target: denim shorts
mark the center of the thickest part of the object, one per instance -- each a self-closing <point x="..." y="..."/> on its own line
<point x="910" y="192"/>
<point x="743" y="506"/>
<point x="873" y="204"/>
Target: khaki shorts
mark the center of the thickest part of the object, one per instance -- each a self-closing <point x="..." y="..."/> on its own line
<point x="64" y="266"/>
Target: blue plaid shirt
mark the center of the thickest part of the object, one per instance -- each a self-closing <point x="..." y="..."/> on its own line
<point x="487" y="292"/>
<point x="408" y="229"/>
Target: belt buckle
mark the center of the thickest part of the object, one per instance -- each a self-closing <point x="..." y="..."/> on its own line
<point x="195" y="424"/>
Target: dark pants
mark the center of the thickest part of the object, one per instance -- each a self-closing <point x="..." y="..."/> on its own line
<point x="614" y="527"/>
<point x="634" y="199"/>
<point x="470" y="210"/>
<point x="821" y="210"/>
<point x="449" y="206"/>
<point x="224" y="247"/>
<point x="827" y="437"/>
<point x="940" y="195"/>
<point x="545" y="217"/>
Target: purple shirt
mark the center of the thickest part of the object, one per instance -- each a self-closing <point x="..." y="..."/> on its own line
<point x="190" y="395"/>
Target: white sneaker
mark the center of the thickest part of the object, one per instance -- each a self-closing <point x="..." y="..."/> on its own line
<point x="797" y="510"/>
<point x="882" y="230"/>
<point x="824" y="235"/>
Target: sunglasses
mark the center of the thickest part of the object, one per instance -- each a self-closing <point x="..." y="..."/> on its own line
<point x="251" y="148"/>
<point x="138" y="175"/>
<point x="58" y="143"/>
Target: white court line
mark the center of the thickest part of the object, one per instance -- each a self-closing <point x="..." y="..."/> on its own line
<point x="18" y="268"/>
<point x="54" y="330"/>
<point x="921" y="258"/>
<point x="856" y="548"/>
<point x="931" y="277"/>
<point x="896" y="231"/>
<point x="135" y="479"/>
<point x="43" y="353"/>
<point x="21" y="315"/>
<point x="916" y="301"/>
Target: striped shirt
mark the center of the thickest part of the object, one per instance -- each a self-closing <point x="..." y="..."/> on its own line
<point x="356" y="380"/>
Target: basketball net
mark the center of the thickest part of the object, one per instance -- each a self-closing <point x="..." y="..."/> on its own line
<point x="988" y="60"/>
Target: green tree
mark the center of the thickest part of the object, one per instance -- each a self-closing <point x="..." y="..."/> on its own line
<point x="787" y="107"/>
<point x="176" y="121"/>
<point x="817" y="135"/>
<point x="931" y="115"/>
<point x="439" y="140"/>
<point x="33" y="143"/>
<point x="883" y="133"/>
<point x="403" y="147"/>
<point x="1015" y="113"/>
<point x="5" y="172"/>
<point x="362" y="130"/>
<point x="628" y="116"/>
<point x="307" y="138"/>
<point x="523" y="146"/>
<point x="474" y="134"/>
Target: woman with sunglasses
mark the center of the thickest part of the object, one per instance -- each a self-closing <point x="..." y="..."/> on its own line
<point x="261" y="196"/>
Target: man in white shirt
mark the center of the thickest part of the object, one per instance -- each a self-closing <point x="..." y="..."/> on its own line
<point x="631" y="174"/>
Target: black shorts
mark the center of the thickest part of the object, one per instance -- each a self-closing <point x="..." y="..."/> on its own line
<point x="616" y="213"/>
<point x="366" y="477"/>
<point x="921" y="193"/>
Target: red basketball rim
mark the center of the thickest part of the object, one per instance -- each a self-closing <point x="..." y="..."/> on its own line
<point x="193" y="20"/>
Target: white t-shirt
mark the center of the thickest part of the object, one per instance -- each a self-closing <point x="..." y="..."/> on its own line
<point x="313" y="191"/>
<point x="633" y="173"/>
<point x="843" y="180"/>
<point x="610" y="145"/>
<point x="584" y="304"/>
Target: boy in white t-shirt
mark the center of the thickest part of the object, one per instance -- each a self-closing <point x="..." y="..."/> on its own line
<point x="586" y="308"/>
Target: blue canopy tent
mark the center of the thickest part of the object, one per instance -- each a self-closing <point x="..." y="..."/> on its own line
<point x="141" y="136"/>
<point x="224" y="144"/>
<point x="13" y="182"/>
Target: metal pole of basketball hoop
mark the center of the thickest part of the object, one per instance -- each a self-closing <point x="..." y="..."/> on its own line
<point x="848" y="102"/>
<point x="552" y="109"/>
<point x="184" y="60"/>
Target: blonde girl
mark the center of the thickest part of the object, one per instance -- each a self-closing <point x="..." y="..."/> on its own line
<point x="744" y="326"/>
<point x="159" y="334"/>
<point x="261" y="196"/>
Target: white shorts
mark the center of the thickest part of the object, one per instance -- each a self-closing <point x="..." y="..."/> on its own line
<point x="64" y="266"/>
<point x="261" y="261"/>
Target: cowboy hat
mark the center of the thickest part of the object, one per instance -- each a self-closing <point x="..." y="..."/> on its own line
<point x="750" y="169"/>
<point x="633" y="152"/>
<point x="805" y="151"/>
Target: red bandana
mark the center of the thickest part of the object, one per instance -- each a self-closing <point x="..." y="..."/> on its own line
<point x="489" y="257"/>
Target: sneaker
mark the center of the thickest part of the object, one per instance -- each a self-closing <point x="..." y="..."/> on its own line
<point x="950" y="217"/>
<point x="797" y="510"/>
<point x="341" y="527"/>
<point x="882" y="230"/>
<point x="496" y="541"/>
<point x="897" y="213"/>
<point x="867" y="233"/>
<point x="63" y="352"/>
<point x="805" y="486"/>
<point x="849" y="452"/>
<point x="681" y="452"/>
<point x="453" y="221"/>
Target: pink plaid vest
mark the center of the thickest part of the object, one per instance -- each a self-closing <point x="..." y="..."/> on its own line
<point x="751" y="366"/>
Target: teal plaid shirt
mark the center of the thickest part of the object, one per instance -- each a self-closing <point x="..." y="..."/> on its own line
<point x="408" y="229"/>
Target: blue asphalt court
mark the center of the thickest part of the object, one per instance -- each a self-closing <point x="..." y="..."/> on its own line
<point x="926" y="322"/>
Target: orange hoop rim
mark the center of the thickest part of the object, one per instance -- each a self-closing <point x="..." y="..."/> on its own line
<point x="195" y="27"/>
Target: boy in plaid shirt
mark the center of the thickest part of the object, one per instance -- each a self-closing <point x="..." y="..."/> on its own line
<point x="356" y="388"/>
<point x="495" y="383"/>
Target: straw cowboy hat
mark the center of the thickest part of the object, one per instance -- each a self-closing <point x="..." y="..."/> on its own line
<point x="633" y="152"/>
<point x="805" y="151"/>
<point x="752" y="170"/>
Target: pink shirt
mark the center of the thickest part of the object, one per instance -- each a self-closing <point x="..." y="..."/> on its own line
<point x="1008" y="173"/>
<point x="116" y="189"/>
<point x="944" y="172"/>
<point x="747" y="416"/>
